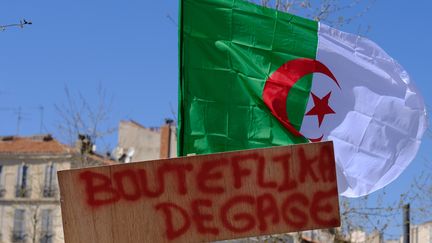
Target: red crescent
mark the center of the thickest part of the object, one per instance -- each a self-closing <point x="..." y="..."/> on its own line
<point x="279" y="84"/>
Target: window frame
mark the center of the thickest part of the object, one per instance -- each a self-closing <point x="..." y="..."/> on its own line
<point x="50" y="187"/>
<point x="19" y="225"/>
<point x="22" y="187"/>
<point x="2" y="181"/>
<point x="47" y="226"/>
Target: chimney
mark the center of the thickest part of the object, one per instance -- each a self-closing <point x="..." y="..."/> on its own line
<point x="165" y="138"/>
<point x="84" y="144"/>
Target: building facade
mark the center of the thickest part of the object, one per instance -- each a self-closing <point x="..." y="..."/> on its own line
<point x="29" y="192"/>
<point x="139" y="143"/>
<point x="421" y="233"/>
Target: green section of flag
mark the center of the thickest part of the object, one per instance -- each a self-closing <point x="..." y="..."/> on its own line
<point x="228" y="49"/>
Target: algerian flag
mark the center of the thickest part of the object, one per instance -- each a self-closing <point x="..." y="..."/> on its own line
<point x="254" y="77"/>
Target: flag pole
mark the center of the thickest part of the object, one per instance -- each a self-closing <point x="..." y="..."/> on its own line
<point x="180" y="85"/>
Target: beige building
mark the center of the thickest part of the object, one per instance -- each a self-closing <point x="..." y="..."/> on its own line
<point x="29" y="194"/>
<point x="421" y="233"/>
<point x="139" y="143"/>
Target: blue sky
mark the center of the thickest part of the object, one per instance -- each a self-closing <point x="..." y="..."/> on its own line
<point x="130" y="49"/>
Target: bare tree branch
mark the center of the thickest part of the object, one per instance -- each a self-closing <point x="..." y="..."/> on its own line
<point x="78" y="116"/>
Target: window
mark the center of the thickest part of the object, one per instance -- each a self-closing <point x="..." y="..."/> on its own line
<point x="18" y="233"/>
<point x="22" y="186"/>
<point x="2" y="181"/>
<point x="50" y="188"/>
<point x="46" y="226"/>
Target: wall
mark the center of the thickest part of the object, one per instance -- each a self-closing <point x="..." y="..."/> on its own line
<point x="422" y="233"/>
<point x="147" y="143"/>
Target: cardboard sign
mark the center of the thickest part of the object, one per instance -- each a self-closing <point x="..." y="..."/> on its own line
<point x="203" y="198"/>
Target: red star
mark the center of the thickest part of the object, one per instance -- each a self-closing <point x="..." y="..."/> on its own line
<point x="321" y="107"/>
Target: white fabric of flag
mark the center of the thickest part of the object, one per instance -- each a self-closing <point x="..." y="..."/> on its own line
<point x="379" y="117"/>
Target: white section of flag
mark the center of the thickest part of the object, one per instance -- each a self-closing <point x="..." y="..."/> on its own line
<point x="380" y="116"/>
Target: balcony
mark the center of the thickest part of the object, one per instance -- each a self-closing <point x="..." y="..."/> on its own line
<point x="49" y="192"/>
<point x="18" y="236"/>
<point x="2" y="191"/>
<point x="46" y="237"/>
<point x="22" y="191"/>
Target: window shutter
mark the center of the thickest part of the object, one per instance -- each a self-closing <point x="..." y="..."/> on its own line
<point x="2" y="176"/>
<point x="46" y="178"/>
<point x="19" y="220"/>
<point x="19" y="176"/>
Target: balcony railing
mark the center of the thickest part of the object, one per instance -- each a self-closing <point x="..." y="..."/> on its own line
<point x="49" y="192"/>
<point x="22" y="191"/>
<point x="18" y="236"/>
<point x="46" y="237"/>
<point x="2" y="191"/>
